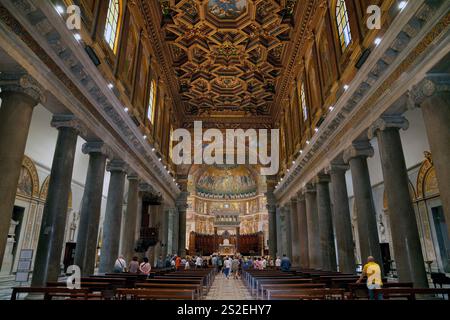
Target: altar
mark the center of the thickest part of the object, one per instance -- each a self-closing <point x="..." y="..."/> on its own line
<point x="227" y="249"/>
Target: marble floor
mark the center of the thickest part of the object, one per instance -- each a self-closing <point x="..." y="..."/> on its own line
<point x="228" y="289"/>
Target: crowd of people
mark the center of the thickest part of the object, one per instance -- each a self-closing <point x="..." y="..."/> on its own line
<point x="229" y="266"/>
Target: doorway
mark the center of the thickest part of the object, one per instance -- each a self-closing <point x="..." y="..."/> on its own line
<point x="442" y="236"/>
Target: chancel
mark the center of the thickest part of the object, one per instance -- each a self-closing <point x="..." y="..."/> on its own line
<point x="224" y="150"/>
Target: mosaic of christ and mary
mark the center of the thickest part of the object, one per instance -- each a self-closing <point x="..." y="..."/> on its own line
<point x="227" y="9"/>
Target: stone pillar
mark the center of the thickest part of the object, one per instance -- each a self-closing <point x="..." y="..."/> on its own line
<point x="170" y="229"/>
<point x="19" y="97"/>
<point x="433" y="96"/>
<point x="287" y="230"/>
<point x="47" y="264"/>
<point x="238" y="231"/>
<point x="165" y="231"/>
<point x="279" y="224"/>
<point x="295" y="244"/>
<point x="131" y="216"/>
<point x="356" y="155"/>
<point x="302" y="231"/>
<point x="314" y="248"/>
<point x="342" y="219"/>
<point x="113" y="216"/>
<point x="405" y="235"/>
<point x="182" y="207"/>
<point x="325" y="223"/>
<point x="86" y="248"/>
<point x="176" y="233"/>
<point x="272" y="209"/>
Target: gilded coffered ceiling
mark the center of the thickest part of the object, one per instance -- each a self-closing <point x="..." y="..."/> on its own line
<point x="227" y="56"/>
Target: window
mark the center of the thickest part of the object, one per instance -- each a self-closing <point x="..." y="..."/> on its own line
<point x="151" y="101"/>
<point x="112" y="24"/>
<point x="304" y="106"/>
<point x="343" y="25"/>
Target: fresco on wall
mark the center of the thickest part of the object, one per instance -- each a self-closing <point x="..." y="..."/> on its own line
<point x="227" y="9"/>
<point x="25" y="184"/>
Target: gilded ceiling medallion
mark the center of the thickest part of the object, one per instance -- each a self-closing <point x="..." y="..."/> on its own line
<point x="227" y="9"/>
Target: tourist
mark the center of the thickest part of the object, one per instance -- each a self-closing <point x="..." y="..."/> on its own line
<point x="227" y="267"/>
<point x="160" y="263"/>
<point x="145" y="267"/>
<point x="214" y="263"/>
<point x="285" y="263"/>
<point x="120" y="265"/>
<point x="278" y="263"/>
<point x="235" y="267"/>
<point x="198" y="262"/>
<point x="168" y="262"/>
<point x="134" y="266"/>
<point x="372" y="271"/>
<point x="219" y="263"/>
<point x="177" y="263"/>
<point x="264" y="263"/>
<point x="187" y="265"/>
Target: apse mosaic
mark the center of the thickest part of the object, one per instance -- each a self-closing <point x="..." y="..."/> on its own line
<point x="227" y="9"/>
<point x="225" y="181"/>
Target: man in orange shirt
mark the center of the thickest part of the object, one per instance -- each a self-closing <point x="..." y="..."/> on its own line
<point x="177" y="263"/>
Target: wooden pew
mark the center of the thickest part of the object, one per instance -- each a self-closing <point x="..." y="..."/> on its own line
<point x="310" y="294"/>
<point x="268" y="289"/>
<point x="154" y="294"/>
<point x="197" y="287"/>
<point x="261" y="281"/>
<point x="50" y="292"/>
<point x="360" y="291"/>
<point x="411" y="293"/>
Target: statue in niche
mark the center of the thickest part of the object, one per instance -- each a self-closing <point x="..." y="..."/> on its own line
<point x="382" y="228"/>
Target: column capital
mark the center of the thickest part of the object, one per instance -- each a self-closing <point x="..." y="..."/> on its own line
<point x="338" y="166"/>
<point x="68" y="121"/>
<point x="359" y="148"/>
<point x="322" y="178"/>
<point x="96" y="147"/>
<point x="395" y="121"/>
<point x="131" y="175"/>
<point x="23" y="83"/>
<point x="309" y="188"/>
<point x="271" y="207"/>
<point x="300" y="196"/>
<point x="116" y="165"/>
<point x="431" y="85"/>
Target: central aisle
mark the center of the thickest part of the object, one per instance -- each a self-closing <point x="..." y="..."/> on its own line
<point x="228" y="289"/>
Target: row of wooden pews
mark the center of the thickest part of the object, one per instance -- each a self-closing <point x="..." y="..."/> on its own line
<point x="160" y="284"/>
<point x="309" y="284"/>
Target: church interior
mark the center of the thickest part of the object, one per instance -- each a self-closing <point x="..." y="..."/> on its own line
<point x="93" y="93"/>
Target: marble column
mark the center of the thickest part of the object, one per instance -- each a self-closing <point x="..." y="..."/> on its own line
<point x="176" y="232"/>
<point x="165" y="231"/>
<point x="314" y="248"/>
<point x="182" y="207"/>
<point x="356" y="155"/>
<point x="131" y="216"/>
<point x="170" y="222"/>
<point x="302" y="231"/>
<point x="47" y="265"/>
<point x="272" y="210"/>
<point x="113" y="216"/>
<point x="405" y="234"/>
<point x="287" y="225"/>
<point x="342" y="219"/>
<point x="325" y="223"/>
<point x="19" y="98"/>
<point x="279" y="224"/>
<point x="86" y="248"/>
<point x="433" y="96"/>
<point x="295" y="243"/>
